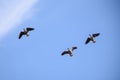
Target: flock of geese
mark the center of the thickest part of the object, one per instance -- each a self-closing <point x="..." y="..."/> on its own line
<point x="68" y="51"/>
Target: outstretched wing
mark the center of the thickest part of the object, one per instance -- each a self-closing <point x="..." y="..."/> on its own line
<point x="73" y="48"/>
<point x="29" y="29"/>
<point x="65" y="52"/>
<point x="95" y="35"/>
<point x="88" y="40"/>
<point x="20" y="35"/>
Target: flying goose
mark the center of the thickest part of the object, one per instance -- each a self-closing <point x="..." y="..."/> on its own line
<point x="25" y="32"/>
<point x="91" y="38"/>
<point x="69" y="51"/>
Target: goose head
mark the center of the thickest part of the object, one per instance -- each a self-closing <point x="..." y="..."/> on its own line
<point x="25" y="31"/>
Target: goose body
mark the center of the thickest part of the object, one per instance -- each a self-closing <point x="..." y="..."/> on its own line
<point x="25" y="32"/>
<point x="91" y="38"/>
<point x="69" y="51"/>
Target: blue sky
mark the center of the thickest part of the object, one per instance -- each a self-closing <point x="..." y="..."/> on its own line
<point x="59" y="25"/>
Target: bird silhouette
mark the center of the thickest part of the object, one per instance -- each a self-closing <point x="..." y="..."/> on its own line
<point x="69" y="51"/>
<point x="25" y="32"/>
<point x="91" y="38"/>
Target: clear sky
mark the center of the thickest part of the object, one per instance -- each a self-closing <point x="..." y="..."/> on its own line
<point x="59" y="24"/>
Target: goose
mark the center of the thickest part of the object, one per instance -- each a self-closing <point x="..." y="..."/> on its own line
<point x="25" y="32"/>
<point x="91" y="38"/>
<point x="69" y="51"/>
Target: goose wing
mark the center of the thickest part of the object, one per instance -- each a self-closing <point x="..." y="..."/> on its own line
<point x="29" y="29"/>
<point x="73" y="48"/>
<point x="88" y="40"/>
<point x="64" y="52"/>
<point x="95" y="35"/>
<point x="20" y="35"/>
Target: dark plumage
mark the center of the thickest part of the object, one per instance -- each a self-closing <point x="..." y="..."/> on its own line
<point x="25" y="32"/>
<point x="69" y="51"/>
<point x="91" y="38"/>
